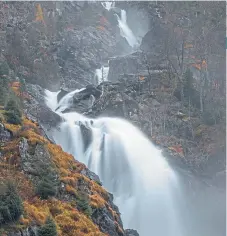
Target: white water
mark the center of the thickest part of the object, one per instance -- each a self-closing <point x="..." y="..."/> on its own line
<point x="130" y="167"/>
<point x="108" y="5"/>
<point x="125" y="31"/>
<point x="101" y="74"/>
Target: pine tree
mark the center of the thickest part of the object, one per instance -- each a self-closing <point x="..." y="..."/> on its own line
<point x="11" y="206"/>
<point x="83" y="205"/>
<point x="48" y="229"/>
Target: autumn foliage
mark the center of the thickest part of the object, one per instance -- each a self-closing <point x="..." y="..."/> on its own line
<point x="71" y="217"/>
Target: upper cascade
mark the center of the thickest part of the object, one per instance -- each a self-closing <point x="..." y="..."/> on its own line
<point x="133" y="169"/>
<point x="125" y="31"/>
<point x="108" y="5"/>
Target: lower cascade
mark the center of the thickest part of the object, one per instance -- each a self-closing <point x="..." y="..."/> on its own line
<point x="130" y="167"/>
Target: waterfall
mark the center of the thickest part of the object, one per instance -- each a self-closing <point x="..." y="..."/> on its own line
<point x="129" y="165"/>
<point x="125" y="31"/>
<point x="108" y="5"/>
<point x="101" y="74"/>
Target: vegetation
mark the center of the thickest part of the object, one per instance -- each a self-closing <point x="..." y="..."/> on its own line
<point x="11" y="206"/>
<point x="46" y="187"/>
<point x="3" y="89"/>
<point x="83" y="205"/>
<point x="48" y="229"/>
<point x="12" y="118"/>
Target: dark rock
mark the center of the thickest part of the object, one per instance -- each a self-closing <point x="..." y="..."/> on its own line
<point x="30" y="231"/>
<point x="91" y="175"/>
<point x="123" y="65"/>
<point x="5" y="135"/>
<point x="106" y="222"/>
<point x="155" y="39"/>
<point x="61" y="94"/>
<point x="83" y="100"/>
<point x="34" y="160"/>
<point x="86" y="134"/>
<point x="131" y="232"/>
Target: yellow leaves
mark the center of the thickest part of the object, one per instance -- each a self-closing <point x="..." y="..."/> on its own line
<point x="97" y="201"/>
<point x="16" y="87"/>
<point x="199" y="130"/>
<point x="70" y="190"/>
<point x="72" y="222"/>
<point x="13" y="128"/>
<point x="33" y="138"/>
<point x="200" y="64"/>
<point x="188" y="45"/>
<point x="39" y="13"/>
<point x="69" y="180"/>
<point x="37" y="212"/>
<point x="100" y="28"/>
<point x="141" y="78"/>
<point x="24" y="221"/>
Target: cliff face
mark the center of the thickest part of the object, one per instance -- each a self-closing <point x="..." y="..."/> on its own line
<point x="57" y="44"/>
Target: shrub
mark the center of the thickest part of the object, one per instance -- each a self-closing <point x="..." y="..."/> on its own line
<point x="48" y="229"/>
<point x="12" y="118"/>
<point x="83" y="205"/>
<point x="4" y="69"/>
<point x="46" y="187"/>
<point x="3" y="89"/>
<point x="11" y="206"/>
<point x="13" y="106"/>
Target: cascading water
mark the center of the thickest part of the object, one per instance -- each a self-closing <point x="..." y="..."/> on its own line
<point x="142" y="182"/>
<point x="108" y="5"/>
<point x="125" y="31"/>
<point x="101" y="74"/>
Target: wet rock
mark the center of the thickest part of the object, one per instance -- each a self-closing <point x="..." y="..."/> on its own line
<point x="86" y="134"/>
<point x="83" y="100"/>
<point x="61" y="94"/>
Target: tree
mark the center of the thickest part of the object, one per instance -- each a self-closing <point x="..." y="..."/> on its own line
<point x="46" y="187"/>
<point x="13" y="106"/>
<point x="11" y="206"/>
<point x="48" y="229"/>
<point x="83" y="205"/>
<point x="12" y="118"/>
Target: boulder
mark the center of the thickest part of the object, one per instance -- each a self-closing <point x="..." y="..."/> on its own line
<point x="61" y="94"/>
<point x="83" y="100"/>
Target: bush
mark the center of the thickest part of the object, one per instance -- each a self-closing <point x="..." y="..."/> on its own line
<point x="11" y="206"/>
<point x="4" y="69"/>
<point x="3" y="89"/>
<point x="13" y="106"/>
<point x="83" y="205"/>
<point x="46" y="187"/>
<point x="12" y="118"/>
<point x="48" y="229"/>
